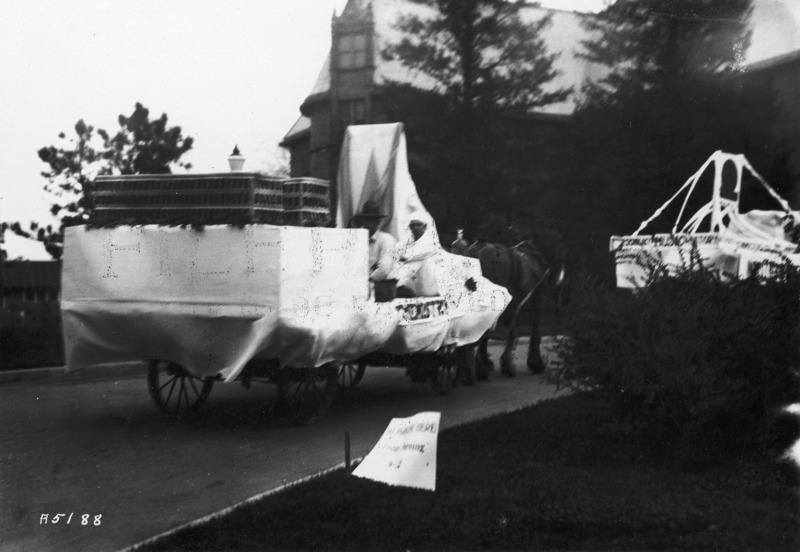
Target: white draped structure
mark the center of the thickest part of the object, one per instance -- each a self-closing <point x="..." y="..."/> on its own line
<point x="727" y="240"/>
<point x="212" y="300"/>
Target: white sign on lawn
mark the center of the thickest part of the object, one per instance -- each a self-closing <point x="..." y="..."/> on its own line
<point x="405" y="454"/>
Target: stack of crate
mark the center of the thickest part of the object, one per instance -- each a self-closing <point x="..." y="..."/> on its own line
<point x="200" y="199"/>
<point x="306" y="202"/>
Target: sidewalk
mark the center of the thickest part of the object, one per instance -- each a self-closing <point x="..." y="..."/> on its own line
<point x="137" y="369"/>
<point x="101" y="371"/>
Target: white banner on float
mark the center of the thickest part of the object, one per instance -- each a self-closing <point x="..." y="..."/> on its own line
<point x="405" y="455"/>
<point x="732" y="256"/>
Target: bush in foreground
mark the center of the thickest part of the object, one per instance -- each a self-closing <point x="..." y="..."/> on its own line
<point x="31" y="337"/>
<point x="559" y="475"/>
<point x="709" y="365"/>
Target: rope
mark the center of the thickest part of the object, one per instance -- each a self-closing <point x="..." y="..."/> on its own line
<point x="718" y="157"/>
<point x="783" y="203"/>
<point x="525" y="299"/>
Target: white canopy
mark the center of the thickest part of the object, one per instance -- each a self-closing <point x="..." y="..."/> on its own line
<point x="374" y="166"/>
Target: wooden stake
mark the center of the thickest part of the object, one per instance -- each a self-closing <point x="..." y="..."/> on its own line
<point x="347" y="450"/>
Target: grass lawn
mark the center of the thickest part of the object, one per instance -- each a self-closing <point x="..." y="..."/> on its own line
<point x="558" y="475"/>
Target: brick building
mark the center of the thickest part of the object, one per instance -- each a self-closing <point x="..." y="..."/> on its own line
<point x="347" y="90"/>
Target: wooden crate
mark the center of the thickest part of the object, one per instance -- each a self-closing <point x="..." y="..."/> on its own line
<point x="227" y="198"/>
<point x="306" y="202"/>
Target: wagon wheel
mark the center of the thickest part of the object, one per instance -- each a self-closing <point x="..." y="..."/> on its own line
<point x="306" y="394"/>
<point x="466" y="358"/>
<point x="443" y="374"/>
<point x="482" y="368"/>
<point x="349" y="374"/>
<point x="175" y="391"/>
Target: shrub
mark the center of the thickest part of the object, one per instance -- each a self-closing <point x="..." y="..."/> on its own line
<point x="30" y="336"/>
<point x="704" y="362"/>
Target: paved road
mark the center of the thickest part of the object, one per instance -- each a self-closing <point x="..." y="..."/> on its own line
<point x="100" y="448"/>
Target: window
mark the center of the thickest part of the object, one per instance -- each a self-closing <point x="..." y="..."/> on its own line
<point x="353" y="112"/>
<point x="352" y="51"/>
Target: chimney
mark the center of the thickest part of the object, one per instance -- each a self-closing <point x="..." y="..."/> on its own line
<point x="236" y="160"/>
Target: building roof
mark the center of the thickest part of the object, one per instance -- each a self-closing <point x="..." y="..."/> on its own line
<point x="300" y="128"/>
<point x="30" y="274"/>
<point x="563" y="37"/>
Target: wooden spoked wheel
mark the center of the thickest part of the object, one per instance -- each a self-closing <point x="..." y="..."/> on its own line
<point x="175" y="391"/>
<point x="467" y="357"/>
<point x="350" y="373"/>
<point x="306" y="394"/>
<point x="483" y="367"/>
<point x="444" y="374"/>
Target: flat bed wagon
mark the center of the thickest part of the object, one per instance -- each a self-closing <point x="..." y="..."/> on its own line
<point x="289" y="306"/>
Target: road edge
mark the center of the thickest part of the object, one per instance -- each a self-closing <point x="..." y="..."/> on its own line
<point x="101" y="371"/>
<point x="557" y="394"/>
<point x="232" y="508"/>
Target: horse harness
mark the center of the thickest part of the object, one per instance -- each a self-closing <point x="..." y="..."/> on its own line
<point x="521" y="250"/>
<point x="517" y="249"/>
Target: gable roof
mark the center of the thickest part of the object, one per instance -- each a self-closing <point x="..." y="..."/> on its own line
<point x="563" y="37"/>
<point x="299" y="129"/>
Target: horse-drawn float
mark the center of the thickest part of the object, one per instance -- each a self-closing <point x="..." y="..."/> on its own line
<point x="291" y="306"/>
<point x="718" y="236"/>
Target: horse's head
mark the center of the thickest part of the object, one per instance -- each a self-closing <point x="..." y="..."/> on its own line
<point x="499" y="231"/>
<point x="544" y="244"/>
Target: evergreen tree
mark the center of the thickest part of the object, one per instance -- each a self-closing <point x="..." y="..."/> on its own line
<point x="672" y="96"/>
<point x="481" y="63"/>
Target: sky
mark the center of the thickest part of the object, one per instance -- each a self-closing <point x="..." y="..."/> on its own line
<point x="227" y="72"/>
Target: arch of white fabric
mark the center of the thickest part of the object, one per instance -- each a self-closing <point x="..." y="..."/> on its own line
<point x="723" y="212"/>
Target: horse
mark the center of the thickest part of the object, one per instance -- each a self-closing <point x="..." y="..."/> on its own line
<point x="510" y="260"/>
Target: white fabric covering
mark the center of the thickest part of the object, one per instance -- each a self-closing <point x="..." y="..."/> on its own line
<point x="213" y="300"/>
<point x="374" y="166"/>
<point x="735" y="244"/>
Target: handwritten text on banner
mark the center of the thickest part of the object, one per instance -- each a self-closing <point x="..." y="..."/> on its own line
<point x="405" y="455"/>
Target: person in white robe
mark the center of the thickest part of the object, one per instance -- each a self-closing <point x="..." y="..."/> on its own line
<point x="416" y="271"/>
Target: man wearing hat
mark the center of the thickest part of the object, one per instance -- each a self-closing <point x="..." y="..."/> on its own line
<point x="381" y="244"/>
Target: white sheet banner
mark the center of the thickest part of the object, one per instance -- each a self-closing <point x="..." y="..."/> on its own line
<point x="405" y="455"/>
<point x="732" y="256"/>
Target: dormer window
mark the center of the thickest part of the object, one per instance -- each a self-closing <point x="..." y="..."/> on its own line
<point x="352" y="51"/>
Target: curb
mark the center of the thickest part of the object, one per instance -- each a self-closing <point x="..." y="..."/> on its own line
<point x="100" y="371"/>
<point x="234" y="507"/>
<point x="261" y="496"/>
